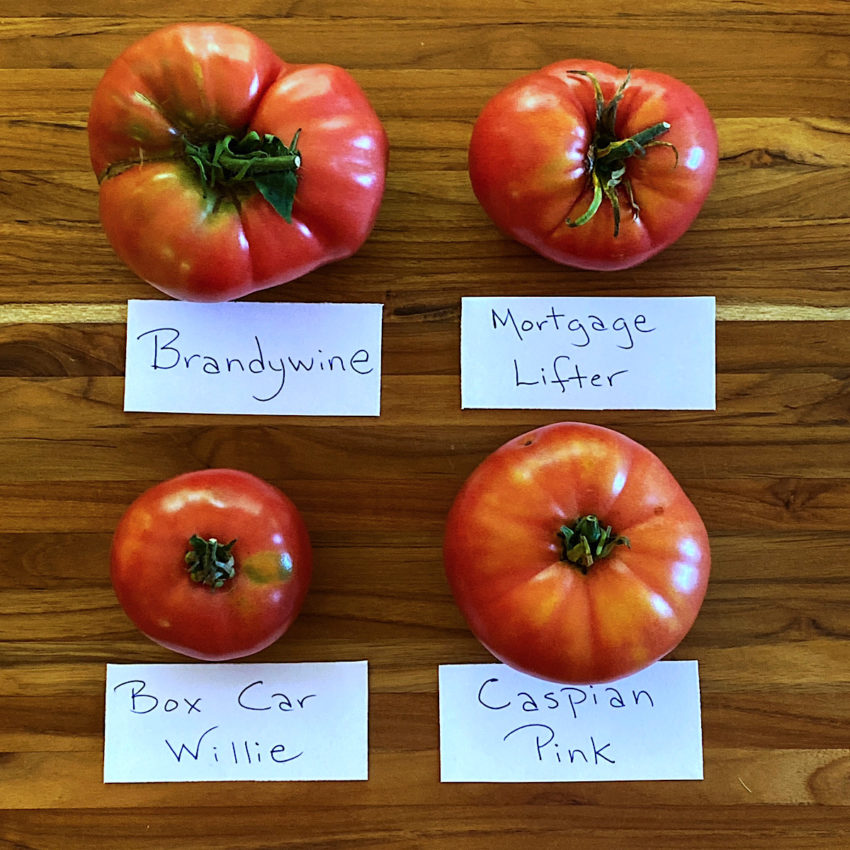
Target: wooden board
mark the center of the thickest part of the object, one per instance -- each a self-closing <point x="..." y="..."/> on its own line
<point x="769" y="469"/>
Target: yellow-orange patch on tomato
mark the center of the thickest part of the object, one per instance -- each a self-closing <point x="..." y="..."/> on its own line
<point x="267" y="567"/>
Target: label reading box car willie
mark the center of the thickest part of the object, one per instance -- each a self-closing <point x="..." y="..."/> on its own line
<point x="212" y="722"/>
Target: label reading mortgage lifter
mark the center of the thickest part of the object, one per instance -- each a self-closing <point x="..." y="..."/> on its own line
<point x="588" y="353"/>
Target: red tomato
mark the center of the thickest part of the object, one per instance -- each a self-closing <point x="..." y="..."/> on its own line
<point x="575" y="556"/>
<point x="593" y="166"/>
<point x="214" y="564"/>
<point x="224" y="170"/>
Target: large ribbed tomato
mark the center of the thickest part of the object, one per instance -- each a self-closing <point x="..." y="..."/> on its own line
<point x="224" y="170"/>
<point x="214" y="564"/>
<point x="591" y="165"/>
<point x="575" y="555"/>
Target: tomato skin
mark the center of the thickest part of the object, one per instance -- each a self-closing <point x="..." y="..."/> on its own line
<point x="529" y="166"/>
<point x="201" y="82"/>
<point x="272" y="571"/>
<point x="544" y="616"/>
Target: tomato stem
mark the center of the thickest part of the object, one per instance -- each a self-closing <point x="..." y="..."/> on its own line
<point x="607" y="154"/>
<point x="210" y="562"/>
<point x="263" y="162"/>
<point x="587" y="541"/>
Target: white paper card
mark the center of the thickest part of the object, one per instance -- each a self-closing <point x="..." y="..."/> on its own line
<point x="210" y="722"/>
<point x="253" y="357"/>
<point x="588" y="353"/>
<point x="498" y="725"/>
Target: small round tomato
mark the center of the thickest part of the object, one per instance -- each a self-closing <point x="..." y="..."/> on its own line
<point x="213" y="564"/>
<point x="593" y="166"/>
<point x="575" y="555"/>
<point x="224" y="169"/>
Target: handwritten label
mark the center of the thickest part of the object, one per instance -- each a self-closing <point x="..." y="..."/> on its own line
<point x="205" y="722"/>
<point x="588" y="353"/>
<point x="498" y="725"/>
<point x="252" y="357"/>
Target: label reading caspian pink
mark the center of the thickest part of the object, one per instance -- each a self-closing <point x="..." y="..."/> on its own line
<point x="498" y="725"/>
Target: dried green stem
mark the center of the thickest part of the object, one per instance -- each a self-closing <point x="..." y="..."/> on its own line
<point x="607" y="154"/>
<point x="263" y="162"/>
<point x="587" y="541"/>
<point x="210" y="562"/>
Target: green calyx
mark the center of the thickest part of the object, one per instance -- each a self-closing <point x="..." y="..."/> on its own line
<point x="607" y="154"/>
<point x="587" y="541"/>
<point x="264" y="162"/>
<point x="210" y="562"/>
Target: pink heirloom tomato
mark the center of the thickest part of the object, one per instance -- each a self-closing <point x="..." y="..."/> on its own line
<point x="593" y="166"/>
<point x="224" y="170"/>
<point x="575" y="556"/>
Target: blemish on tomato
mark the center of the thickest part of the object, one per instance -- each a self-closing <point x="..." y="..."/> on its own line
<point x="266" y="567"/>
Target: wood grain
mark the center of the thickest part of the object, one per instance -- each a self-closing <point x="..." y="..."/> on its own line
<point x="769" y="469"/>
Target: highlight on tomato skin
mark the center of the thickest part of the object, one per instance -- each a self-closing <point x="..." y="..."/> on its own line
<point x="224" y="169"/>
<point x="593" y="166"/>
<point x="575" y="556"/>
<point x="214" y="564"/>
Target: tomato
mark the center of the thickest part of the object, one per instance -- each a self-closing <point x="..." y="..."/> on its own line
<point x="224" y="170"/>
<point x="593" y="166"/>
<point x="575" y="556"/>
<point x="214" y="564"/>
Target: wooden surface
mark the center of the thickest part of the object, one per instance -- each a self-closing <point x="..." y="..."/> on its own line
<point x="769" y="469"/>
